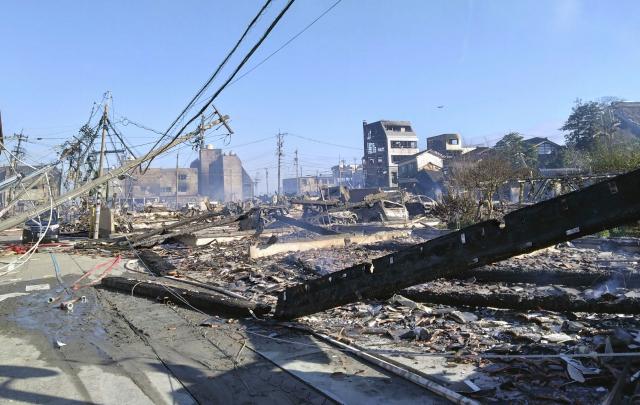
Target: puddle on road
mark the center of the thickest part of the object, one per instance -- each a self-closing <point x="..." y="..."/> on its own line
<point x="34" y="312"/>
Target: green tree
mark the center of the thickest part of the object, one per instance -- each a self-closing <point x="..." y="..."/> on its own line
<point x="615" y="155"/>
<point x="589" y="122"/>
<point x="520" y="154"/>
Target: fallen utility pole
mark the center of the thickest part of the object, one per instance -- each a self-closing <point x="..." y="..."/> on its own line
<point x="208" y="302"/>
<point x="595" y="208"/>
<point x="85" y="188"/>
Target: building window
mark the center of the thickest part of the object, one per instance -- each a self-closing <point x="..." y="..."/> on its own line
<point x="397" y="158"/>
<point x="165" y="189"/>
<point x="182" y="177"/>
<point x="545" y="149"/>
<point x="394" y="178"/>
<point x="182" y="187"/>
<point x="404" y="144"/>
<point x="379" y="159"/>
<point x="453" y="141"/>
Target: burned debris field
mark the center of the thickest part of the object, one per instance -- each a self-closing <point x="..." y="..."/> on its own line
<point x="325" y="202"/>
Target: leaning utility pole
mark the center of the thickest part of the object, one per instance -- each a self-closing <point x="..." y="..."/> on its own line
<point x="280" y="154"/>
<point x="13" y="163"/>
<point x="17" y="152"/>
<point x="295" y="163"/>
<point x="105" y="125"/>
<point x="113" y="174"/>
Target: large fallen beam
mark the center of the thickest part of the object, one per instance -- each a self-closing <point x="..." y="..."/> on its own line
<point x="209" y="302"/>
<point x="523" y="301"/>
<point x="595" y="208"/>
<point x="571" y="278"/>
<point x="325" y="242"/>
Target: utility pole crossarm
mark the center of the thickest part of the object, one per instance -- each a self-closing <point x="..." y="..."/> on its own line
<point x="85" y="188"/>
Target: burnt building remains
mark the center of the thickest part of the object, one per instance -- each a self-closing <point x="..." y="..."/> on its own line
<point x="386" y="143"/>
<point x="215" y="175"/>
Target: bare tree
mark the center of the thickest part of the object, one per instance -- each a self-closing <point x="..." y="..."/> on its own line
<point x="483" y="179"/>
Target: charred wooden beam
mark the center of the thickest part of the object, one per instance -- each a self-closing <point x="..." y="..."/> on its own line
<point x="604" y="205"/>
<point x="207" y="302"/>
<point x="150" y="241"/>
<point x="155" y="263"/>
<point x="166" y="228"/>
<point x="571" y="278"/>
<point x="523" y="302"/>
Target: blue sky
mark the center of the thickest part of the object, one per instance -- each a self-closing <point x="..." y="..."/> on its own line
<point x="495" y="66"/>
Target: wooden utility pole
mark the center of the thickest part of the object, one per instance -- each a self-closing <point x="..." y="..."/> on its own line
<point x="104" y="121"/>
<point x="177" y="178"/>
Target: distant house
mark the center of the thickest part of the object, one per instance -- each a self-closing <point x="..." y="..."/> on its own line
<point x="548" y="151"/>
<point x="416" y="173"/>
<point x="411" y="165"/>
<point x="449" y="145"/>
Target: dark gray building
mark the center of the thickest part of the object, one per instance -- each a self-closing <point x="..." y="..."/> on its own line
<point x="385" y="144"/>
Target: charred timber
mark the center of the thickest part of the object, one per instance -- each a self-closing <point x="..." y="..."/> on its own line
<point x="207" y="302"/>
<point x="570" y="278"/>
<point x="604" y="205"/>
<point x="523" y="302"/>
<point x="153" y="240"/>
<point x="166" y="228"/>
<point x="305" y="225"/>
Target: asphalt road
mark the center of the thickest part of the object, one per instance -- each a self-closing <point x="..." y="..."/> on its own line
<point x="115" y="348"/>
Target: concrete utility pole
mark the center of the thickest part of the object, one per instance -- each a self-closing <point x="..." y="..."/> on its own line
<point x="280" y="154"/>
<point x="266" y="178"/>
<point x="256" y="180"/>
<point x="295" y="163"/>
<point x="104" y="121"/>
<point x="13" y="162"/>
<point x="201" y="133"/>
<point x="177" y="178"/>
<point x="17" y="152"/>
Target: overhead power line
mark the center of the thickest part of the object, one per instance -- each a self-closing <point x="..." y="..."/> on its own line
<point x="235" y="72"/>
<point x="293" y="38"/>
<point x="220" y="66"/>
<point x="325" y="142"/>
